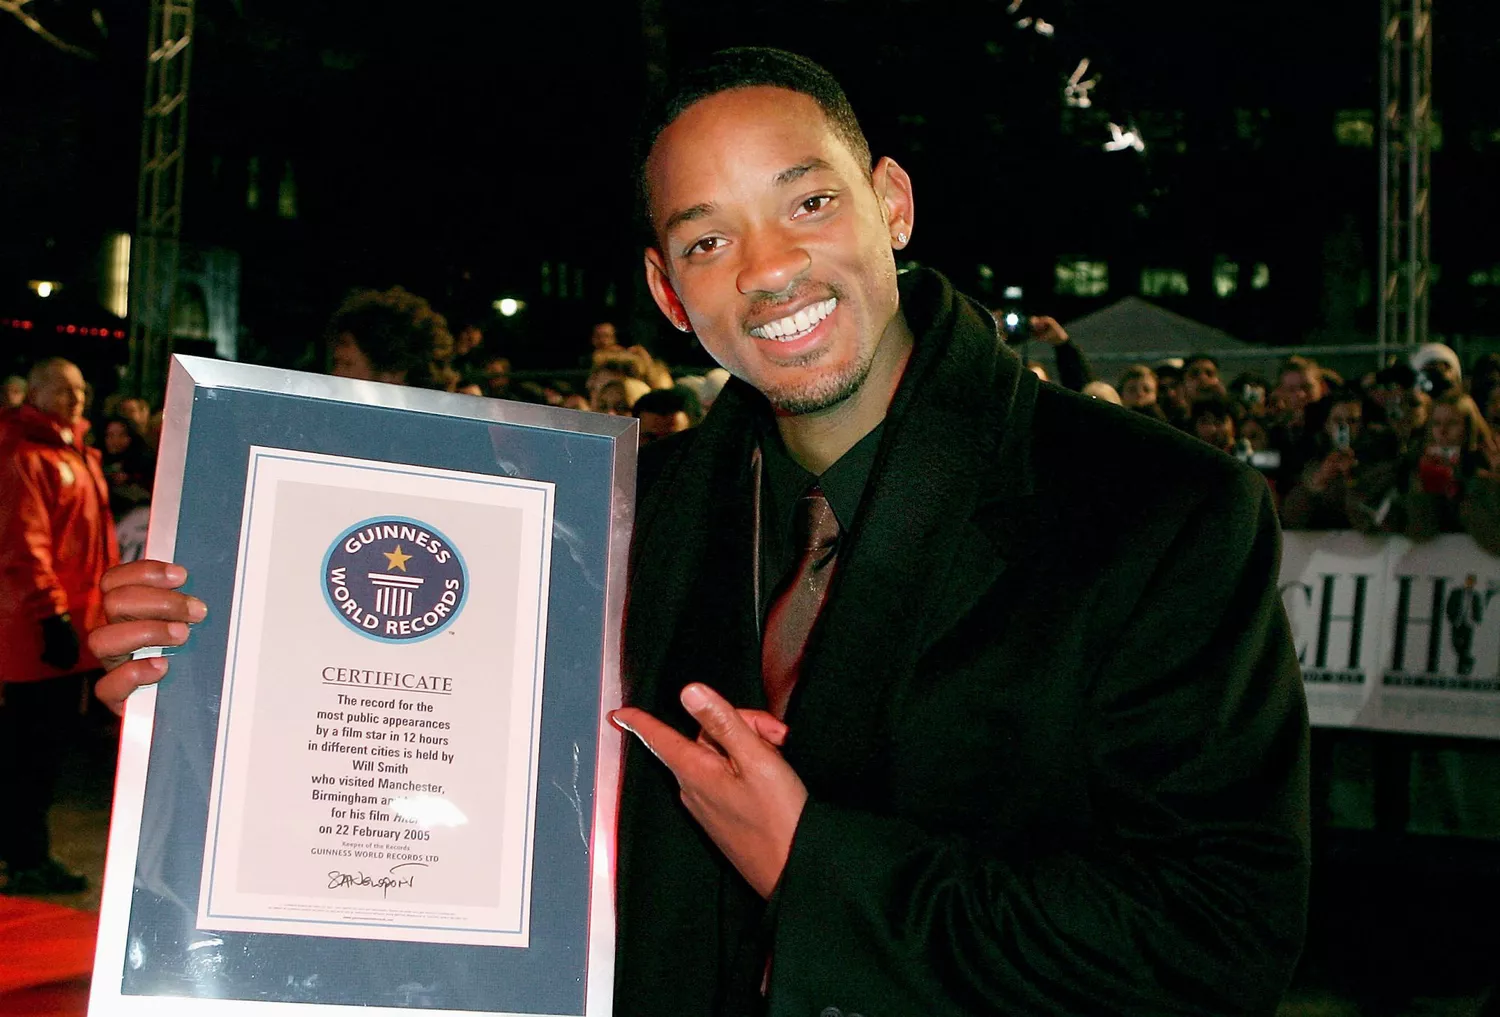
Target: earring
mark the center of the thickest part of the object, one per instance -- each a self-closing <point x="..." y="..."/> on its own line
<point x="900" y="238"/>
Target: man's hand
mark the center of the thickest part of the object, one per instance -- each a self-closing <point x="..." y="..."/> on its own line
<point x="144" y="609"/>
<point x="1048" y="331"/>
<point x="734" y="781"/>
<point x="60" y="647"/>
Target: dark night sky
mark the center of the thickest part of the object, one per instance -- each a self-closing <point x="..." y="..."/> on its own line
<point x="433" y="140"/>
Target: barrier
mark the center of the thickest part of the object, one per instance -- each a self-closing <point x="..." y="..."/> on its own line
<point x="1395" y="635"/>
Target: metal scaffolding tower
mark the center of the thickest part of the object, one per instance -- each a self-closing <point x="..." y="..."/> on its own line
<point x="1406" y="129"/>
<point x="159" y="203"/>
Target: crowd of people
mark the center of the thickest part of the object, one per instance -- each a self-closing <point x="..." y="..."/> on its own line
<point x="1409" y="449"/>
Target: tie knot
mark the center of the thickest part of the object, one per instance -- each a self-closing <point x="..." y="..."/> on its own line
<point x="817" y="527"/>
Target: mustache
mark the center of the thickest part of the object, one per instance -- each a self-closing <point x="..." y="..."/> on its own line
<point x="764" y="306"/>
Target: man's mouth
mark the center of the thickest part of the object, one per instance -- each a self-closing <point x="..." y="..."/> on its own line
<point x="796" y="326"/>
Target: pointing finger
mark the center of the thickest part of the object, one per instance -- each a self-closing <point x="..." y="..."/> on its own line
<point x="665" y="742"/>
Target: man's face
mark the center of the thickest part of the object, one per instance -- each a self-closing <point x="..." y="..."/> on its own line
<point x="15" y="393"/>
<point x="61" y="395"/>
<point x="604" y="337"/>
<point x="1201" y="378"/>
<point x="468" y="339"/>
<point x="497" y="376"/>
<point x="655" y="426"/>
<point x="776" y="248"/>
<point x="1296" y="390"/>
<point x="1216" y="430"/>
<point x="137" y="411"/>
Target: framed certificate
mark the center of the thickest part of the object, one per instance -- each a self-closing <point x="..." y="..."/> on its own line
<point x="378" y="777"/>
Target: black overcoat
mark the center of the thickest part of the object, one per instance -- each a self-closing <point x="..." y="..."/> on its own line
<point x="1051" y="722"/>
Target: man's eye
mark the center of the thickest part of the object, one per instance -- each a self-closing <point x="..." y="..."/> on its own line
<point x="706" y="246"/>
<point x="816" y="203"/>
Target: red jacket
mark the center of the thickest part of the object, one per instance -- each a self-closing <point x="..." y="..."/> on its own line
<point x="56" y="539"/>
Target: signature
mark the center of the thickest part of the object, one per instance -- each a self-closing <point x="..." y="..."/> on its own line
<point x="338" y="880"/>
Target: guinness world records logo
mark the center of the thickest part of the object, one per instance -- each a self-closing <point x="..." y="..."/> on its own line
<point x="394" y="579"/>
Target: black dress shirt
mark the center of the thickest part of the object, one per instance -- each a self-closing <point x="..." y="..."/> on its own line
<point x="784" y="482"/>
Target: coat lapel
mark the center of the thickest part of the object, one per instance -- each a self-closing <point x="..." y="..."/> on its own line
<point x="694" y="616"/>
<point x="916" y="558"/>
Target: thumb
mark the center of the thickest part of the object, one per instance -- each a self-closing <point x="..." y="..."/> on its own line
<point x="720" y="721"/>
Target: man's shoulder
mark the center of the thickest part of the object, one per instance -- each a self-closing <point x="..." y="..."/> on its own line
<point x="1113" y="462"/>
<point x="656" y="460"/>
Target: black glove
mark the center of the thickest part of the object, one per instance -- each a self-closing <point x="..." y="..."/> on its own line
<point x="60" y="646"/>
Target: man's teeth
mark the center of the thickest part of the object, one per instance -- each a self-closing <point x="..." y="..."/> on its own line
<point x="794" y="326"/>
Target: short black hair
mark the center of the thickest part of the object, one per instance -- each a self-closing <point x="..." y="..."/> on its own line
<point x="665" y="401"/>
<point x="1216" y="406"/>
<point x="1196" y="357"/>
<point x="745" y="67"/>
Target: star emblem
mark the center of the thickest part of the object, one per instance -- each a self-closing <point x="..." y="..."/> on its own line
<point x="396" y="558"/>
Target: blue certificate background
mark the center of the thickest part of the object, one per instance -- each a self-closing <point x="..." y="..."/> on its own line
<point x="166" y="954"/>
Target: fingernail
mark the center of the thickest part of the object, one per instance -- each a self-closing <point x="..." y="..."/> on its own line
<point x="197" y="610"/>
<point x="158" y="664"/>
<point x="614" y="718"/>
<point x="694" y="696"/>
<point x="175" y="574"/>
<point x="177" y="630"/>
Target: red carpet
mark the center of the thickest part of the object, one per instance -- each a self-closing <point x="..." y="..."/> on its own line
<point x="46" y="955"/>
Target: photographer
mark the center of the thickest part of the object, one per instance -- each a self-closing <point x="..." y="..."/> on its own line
<point x="1347" y="471"/>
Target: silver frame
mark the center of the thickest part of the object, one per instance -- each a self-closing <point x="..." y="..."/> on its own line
<point x="188" y="376"/>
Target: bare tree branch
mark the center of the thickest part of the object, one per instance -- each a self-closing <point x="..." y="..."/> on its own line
<point x="18" y="8"/>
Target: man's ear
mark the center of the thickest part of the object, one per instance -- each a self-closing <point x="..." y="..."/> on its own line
<point x="893" y="188"/>
<point x="662" y="292"/>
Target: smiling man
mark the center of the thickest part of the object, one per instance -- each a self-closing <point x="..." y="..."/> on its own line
<point x="938" y="710"/>
<point x="1023" y="753"/>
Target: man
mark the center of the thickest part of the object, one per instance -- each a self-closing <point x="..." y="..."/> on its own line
<point x="15" y="391"/>
<point x="662" y="412"/>
<point x="1200" y="378"/>
<point x="1465" y="611"/>
<point x="1035" y="758"/>
<point x="391" y="336"/>
<point x="605" y="340"/>
<point x="1212" y="419"/>
<point x="56" y="539"/>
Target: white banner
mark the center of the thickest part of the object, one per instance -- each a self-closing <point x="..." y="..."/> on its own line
<point x="1395" y="635"/>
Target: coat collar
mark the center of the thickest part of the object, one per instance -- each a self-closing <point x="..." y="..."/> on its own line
<point x="956" y="439"/>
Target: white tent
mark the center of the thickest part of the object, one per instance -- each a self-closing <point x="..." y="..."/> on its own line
<point x="1133" y="325"/>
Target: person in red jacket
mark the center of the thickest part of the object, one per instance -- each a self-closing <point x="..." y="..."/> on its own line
<point x="56" y="539"/>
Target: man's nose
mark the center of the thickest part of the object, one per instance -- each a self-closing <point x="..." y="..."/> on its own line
<point x="771" y="263"/>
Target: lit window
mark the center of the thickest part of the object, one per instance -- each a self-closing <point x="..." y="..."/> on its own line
<point x="1260" y="277"/>
<point x="1355" y="127"/>
<point x="1163" y="282"/>
<point x="1078" y="278"/>
<point x="252" y="188"/>
<point x="286" y="194"/>
<point x="1226" y="277"/>
<point x="115" y="288"/>
<point x="1481" y="277"/>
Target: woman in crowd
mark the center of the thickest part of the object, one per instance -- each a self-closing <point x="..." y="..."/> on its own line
<point x="1454" y="483"/>
<point x="129" y="466"/>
